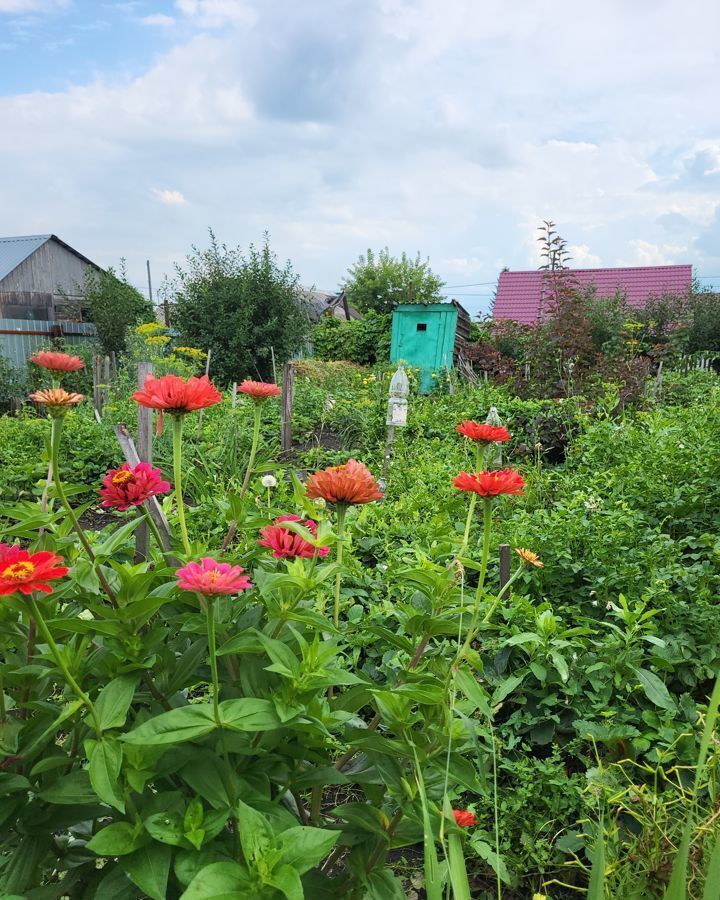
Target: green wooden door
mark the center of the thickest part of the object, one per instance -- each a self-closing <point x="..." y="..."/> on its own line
<point x="424" y="337"/>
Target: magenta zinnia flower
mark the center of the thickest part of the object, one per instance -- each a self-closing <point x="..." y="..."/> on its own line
<point x="286" y="544"/>
<point x="212" y="577"/>
<point x="128" y="486"/>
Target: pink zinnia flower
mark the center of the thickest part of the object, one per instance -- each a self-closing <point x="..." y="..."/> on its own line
<point x="212" y="577"/>
<point x="126" y="486"/>
<point x="259" y="390"/>
<point x="57" y="363"/>
<point x="286" y="544"/>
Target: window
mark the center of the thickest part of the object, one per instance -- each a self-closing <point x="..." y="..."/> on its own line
<point x="421" y="326"/>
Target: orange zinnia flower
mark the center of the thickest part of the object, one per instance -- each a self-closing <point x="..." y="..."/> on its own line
<point x="259" y="390"/>
<point x="57" y="363"/>
<point x="530" y="557"/>
<point x="176" y="396"/>
<point x="352" y="484"/>
<point x="57" y="400"/>
<point x="464" y="818"/>
<point x="484" y="434"/>
<point x="24" y="572"/>
<point x="491" y="484"/>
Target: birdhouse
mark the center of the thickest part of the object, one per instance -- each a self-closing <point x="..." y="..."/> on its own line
<point x="398" y="401"/>
<point x="424" y="336"/>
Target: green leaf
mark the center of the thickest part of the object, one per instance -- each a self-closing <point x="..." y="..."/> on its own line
<point x="506" y="688"/>
<point x="287" y="881"/>
<point x="655" y="689"/>
<point x="487" y="853"/>
<point x="117" y="839"/>
<point x="105" y="762"/>
<point x="256" y="834"/>
<point x="175" y="726"/>
<point x="219" y="881"/>
<point x="304" y="847"/>
<point x="362" y="816"/>
<point x="114" y="701"/>
<point x="116" y="539"/>
<point x="560" y="664"/>
<point x="381" y="884"/>
<point x="167" y="828"/>
<point x="74" y="789"/>
<point x="248" y="714"/>
<point x="149" y="868"/>
<point x="596" y="887"/>
<point x="457" y="869"/>
<point x="712" y="874"/>
<point x="467" y="683"/>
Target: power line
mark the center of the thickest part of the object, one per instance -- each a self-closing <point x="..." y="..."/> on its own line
<point x="474" y="284"/>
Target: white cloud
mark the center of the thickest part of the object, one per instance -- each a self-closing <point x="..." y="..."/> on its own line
<point x="645" y="253"/>
<point x="159" y="19"/>
<point x="172" y="198"/>
<point x="31" y="6"/>
<point x="216" y="13"/>
<point x="582" y="258"/>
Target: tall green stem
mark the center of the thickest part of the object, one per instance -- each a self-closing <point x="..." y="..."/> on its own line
<point x="60" y="662"/>
<point x="468" y="523"/>
<point x="177" y="429"/>
<point x="212" y="650"/>
<point x="341" y="510"/>
<point x="487" y="527"/>
<point x="153" y="529"/>
<point x="55" y="436"/>
<point x="248" y="472"/>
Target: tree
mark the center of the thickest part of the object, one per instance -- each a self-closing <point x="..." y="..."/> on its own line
<point x="242" y="307"/>
<point x="113" y="306"/>
<point x="381" y="282"/>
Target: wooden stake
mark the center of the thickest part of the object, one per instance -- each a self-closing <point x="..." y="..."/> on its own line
<point x="272" y="354"/>
<point x="288" y="388"/>
<point x="144" y="453"/>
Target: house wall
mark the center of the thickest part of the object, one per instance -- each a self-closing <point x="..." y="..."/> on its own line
<point x="50" y="270"/>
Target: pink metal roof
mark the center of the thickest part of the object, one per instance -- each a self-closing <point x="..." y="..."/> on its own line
<point x="523" y="296"/>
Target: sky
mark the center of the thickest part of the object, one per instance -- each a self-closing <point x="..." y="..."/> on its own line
<point x="446" y="127"/>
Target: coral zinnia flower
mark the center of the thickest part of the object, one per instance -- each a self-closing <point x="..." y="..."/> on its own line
<point x="57" y="400"/>
<point x="57" y="363"/>
<point x="259" y="390"/>
<point x="490" y="484"/>
<point x="351" y="483"/>
<point x="530" y="557"/>
<point x="176" y="396"/>
<point x="464" y="818"/>
<point x="286" y="544"/>
<point x="212" y="577"/>
<point x="484" y="434"/>
<point x="126" y="486"/>
<point x="24" y="572"/>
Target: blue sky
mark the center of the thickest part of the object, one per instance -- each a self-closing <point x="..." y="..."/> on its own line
<point x="449" y="127"/>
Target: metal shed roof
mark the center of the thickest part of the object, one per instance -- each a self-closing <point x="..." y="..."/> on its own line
<point x="14" y="250"/>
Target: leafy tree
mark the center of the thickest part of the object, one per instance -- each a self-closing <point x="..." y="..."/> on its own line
<point x="364" y="341"/>
<point x="113" y="306"/>
<point x="381" y="282"/>
<point x="239" y="306"/>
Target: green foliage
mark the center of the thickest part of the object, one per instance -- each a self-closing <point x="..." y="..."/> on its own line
<point x="380" y="282"/>
<point x="363" y="341"/>
<point x="113" y="306"/>
<point x="242" y="307"/>
<point x="12" y="382"/>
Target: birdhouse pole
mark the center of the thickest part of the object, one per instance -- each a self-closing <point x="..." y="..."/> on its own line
<point x="494" y="419"/>
<point x="396" y="414"/>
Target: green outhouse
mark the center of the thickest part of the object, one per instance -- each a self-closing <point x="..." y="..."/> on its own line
<point x="424" y="336"/>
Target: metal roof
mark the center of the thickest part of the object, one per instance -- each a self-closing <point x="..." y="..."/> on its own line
<point x="14" y="250"/>
<point x="523" y="296"/>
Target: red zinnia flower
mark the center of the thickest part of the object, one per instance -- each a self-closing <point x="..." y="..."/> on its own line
<point x="351" y="483"/>
<point x="212" y="577"/>
<point x="174" y="395"/>
<point x="126" y="486"/>
<point x="490" y="484"/>
<point x="484" y="434"/>
<point x="24" y="572"/>
<point x="57" y="363"/>
<point x="286" y="544"/>
<point x="464" y="818"/>
<point x="259" y="390"/>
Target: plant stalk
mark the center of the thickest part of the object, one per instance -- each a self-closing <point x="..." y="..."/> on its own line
<point x="248" y="472"/>
<point x="341" y="510"/>
<point x="177" y="429"/>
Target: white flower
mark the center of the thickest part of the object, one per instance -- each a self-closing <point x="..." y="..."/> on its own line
<point x="269" y="481"/>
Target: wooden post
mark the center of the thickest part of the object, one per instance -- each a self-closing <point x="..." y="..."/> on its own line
<point x="504" y="569"/>
<point x="288" y="394"/>
<point x="200" y="416"/>
<point x="388" y="453"/>
<point x="234" y="395"/>
<point x="106" y="381"/>
<point x="97" y="396"/>
<point x="144" y="452"/>
<point x="272" y="353"/>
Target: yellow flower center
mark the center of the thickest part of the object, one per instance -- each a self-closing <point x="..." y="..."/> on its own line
<point x="122" y="476"/>
<point x="337" y="468"/>
<point x="214" y="574"/>
<point x="19" y="571"/>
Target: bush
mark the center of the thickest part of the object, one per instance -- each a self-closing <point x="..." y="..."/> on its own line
<point x="363" y="341"/>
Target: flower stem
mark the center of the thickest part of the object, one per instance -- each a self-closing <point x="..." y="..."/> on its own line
<point x="154" y="530"/>
<point x="212" y="650"/>
<point x="248" y="472"/>
<point x="60" y="662"/>
<point x="487" y="527"/>
<point x="177" y="429"/>
<point x="341" y="510"/>
<point x="55" y="457"/>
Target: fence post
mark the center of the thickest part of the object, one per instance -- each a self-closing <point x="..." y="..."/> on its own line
<point x="144" y="452"/>
<point x="504" y="569"/>
<point x="106" y="382"/>
<point x="97" y="391"/>
<point x="288" y="395"/>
